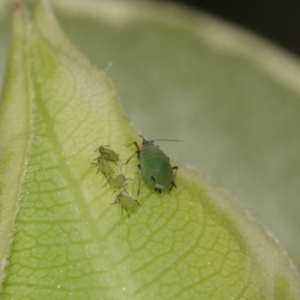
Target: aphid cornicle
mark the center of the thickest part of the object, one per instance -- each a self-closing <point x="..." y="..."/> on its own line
<point x="126" y="203"/>
<point x="155" y="166"/>
<point x="108" y="154"/>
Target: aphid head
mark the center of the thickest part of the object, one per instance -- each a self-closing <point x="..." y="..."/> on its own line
<point x="146" y="142"/>
<point x="102" y="149"/>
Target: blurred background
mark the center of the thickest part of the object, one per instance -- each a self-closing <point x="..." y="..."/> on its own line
<point x="276" y="21"/>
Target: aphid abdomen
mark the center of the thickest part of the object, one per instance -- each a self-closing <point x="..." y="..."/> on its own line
<point x="156" y="167"/>
<point x="105" y="168"/>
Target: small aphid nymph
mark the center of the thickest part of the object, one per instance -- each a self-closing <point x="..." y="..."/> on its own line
<point x="108" y="154"/>
<point x="155" y="166"/>
<point x="117" y="182"/>
<point x="126" y="203"/>
<point x="105" y="168"/>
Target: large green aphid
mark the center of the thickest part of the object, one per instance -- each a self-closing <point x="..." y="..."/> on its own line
<point x="155" y="166"/>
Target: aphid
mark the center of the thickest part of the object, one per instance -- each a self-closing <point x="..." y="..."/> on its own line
<point x="107" y="154"/>
<point x="104" y="167"/>
<point x="155" y="166"/>
<point x="126" y="203"/>
<point x="117" y="182"/>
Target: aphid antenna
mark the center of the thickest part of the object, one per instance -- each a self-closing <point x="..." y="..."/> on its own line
<point x="167" y="140"/>
<point x="164" y="140"/>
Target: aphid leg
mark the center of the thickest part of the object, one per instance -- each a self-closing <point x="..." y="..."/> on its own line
<point x="114" y="202"/>
<point x="136" y="145"/>
<point x="176" y="169"/>
<point x="173" y="182"/>
<point x="106" y="183"/>
<point x="115" y="191"/>
<point x="103" y="174"/>
<point x="137" y="202"/>
<point x="131" y="156"/>
<point x="95" y="163"/>
<point x="137" y="148"/>
<point x="98" y="170"/>
<point x="124" y="186"/>
<point x="139" y="183"/>
<point x="121" y="167"/>
<point x="127" y="212"/>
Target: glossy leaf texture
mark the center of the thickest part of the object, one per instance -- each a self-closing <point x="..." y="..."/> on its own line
<point x="61" y="238"/>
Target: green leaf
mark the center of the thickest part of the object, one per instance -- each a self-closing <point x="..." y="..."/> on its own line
<point x="231" y="96"/>
<point x="60" y="236"/>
